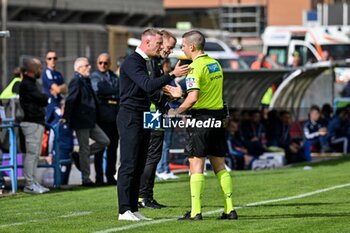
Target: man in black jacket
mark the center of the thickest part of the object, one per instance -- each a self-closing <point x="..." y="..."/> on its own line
<point x="33" y="103"/>
<point x="81" y="112"/>
<point x="135" y="86"/>
<point x="159" y="101"/>
<point x="106" y="86"/>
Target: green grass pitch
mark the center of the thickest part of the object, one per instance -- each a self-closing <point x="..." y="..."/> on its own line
<point x="280" y="200"/>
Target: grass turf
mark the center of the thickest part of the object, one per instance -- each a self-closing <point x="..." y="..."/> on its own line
<point x="95" y="209"/>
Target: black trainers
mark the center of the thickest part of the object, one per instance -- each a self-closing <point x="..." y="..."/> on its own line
<point x="231" y="216"/>
<point x="149" y="203"/>
<point x="75" y="158"/>
<point x="187" y="216"/>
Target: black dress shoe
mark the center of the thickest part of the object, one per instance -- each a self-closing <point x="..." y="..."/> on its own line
<point x="75" y="158"/>
<point x="230" y="216"/>
<point x="149" y="203"/>
<point x="187" y="216"/>
<point x="88" y="184"/>
<point x="157" y="203"/>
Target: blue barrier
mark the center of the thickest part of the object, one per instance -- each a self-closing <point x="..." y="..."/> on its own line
<point x="12" y="165"/>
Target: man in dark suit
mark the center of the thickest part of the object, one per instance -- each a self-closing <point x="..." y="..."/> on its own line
<point x="81" y="114"/>
<point x="135" y="86"/>
<point x="106" y="86"/>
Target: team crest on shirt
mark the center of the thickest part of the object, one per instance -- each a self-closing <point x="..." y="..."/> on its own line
<point x="214" y="67"/>
<point x="191" y="83"/>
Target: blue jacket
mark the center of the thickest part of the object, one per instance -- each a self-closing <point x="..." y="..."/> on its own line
<point x="337" y="128"/>
<point x="311" y="130"/>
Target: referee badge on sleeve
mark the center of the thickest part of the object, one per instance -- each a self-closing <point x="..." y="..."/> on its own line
<point x="191" y="83"/>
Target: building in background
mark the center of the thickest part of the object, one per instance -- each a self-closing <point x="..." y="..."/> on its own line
<point x="73" y="28"/>
<point x="246" y="20"/>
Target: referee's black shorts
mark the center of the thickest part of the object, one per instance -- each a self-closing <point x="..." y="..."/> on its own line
<point x="203" y="141"/>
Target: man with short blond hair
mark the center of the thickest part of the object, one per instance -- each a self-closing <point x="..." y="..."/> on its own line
<point x="135" y="87"/>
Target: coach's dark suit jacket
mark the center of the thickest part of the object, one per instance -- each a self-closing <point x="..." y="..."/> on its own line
<point x="81" y="104"/>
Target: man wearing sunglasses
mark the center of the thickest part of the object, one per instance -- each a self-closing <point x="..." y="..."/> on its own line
<point x="106" y="86"/>
<point x="53" y="85"/>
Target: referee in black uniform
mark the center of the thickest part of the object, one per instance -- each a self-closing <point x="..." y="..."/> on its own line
<point x="135" y="86"/>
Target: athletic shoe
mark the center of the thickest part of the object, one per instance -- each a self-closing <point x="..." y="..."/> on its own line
<point x="128" y="216"/>
<point x="44" y="189"/>
<point x="141" y="217"/>
<point x="33" y="189"/>
<point x="149" y="203"/>
<point x="231" y="216"/>
<point x="171" y="176"/>
<point x="162" y="176"/>
<point x="187" y="216"/>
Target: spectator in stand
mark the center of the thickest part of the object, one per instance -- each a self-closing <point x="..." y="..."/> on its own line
<point x="236" y="148"/>
<point x="293" y="148"/>
<point x="314" y="133"/>
<point x="338" y="131"/>
<point x="260" y="63"/>
<point x="235" y="114"/>
<point x="106" y="86"/>
<point x="326" y="114"/>
<point x="33" y="103"/>
<point x="273" y="127"/>
<point x="253" y="134"/>
<point x="80" y="113"/>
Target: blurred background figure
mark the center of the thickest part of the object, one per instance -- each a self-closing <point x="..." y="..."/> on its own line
<point x="105" y="83"/>
<point x="261" y="63"/>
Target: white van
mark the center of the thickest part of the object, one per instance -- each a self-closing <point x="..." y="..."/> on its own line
<point x="309" y="42"/>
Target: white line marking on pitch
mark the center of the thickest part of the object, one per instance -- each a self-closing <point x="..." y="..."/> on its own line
<point x="72" y="214"/>
<point x="141" y="224"/>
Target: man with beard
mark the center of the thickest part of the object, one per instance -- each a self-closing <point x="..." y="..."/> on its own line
<point x="33" y="103"/>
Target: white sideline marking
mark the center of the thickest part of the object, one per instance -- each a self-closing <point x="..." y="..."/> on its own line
<point x="75" y="214"/>
<point x="141" y="224"/>
<point x="72" y="214"/>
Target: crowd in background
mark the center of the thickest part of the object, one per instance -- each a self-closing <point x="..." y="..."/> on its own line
<point x="250" y="133"/>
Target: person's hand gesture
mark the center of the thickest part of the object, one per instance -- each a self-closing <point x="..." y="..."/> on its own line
<point x="180" y="71"/>
<point x="173" y="92"/>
